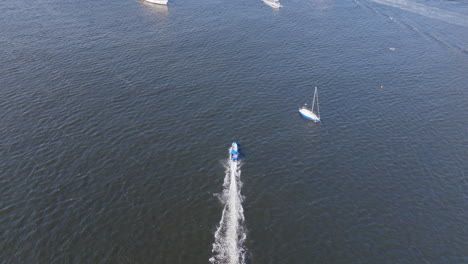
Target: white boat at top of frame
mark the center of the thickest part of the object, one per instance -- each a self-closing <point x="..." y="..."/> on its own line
<point x="273" y="3"/>
<point x="159" y="2"/>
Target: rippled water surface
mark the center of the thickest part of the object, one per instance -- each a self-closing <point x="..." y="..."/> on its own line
<point x="117" y="116"/>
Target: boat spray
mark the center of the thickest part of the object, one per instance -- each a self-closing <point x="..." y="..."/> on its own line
<point x="228" y="247"/>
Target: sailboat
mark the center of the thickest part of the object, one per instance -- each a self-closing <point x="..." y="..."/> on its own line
<point x="160" y="2"/>
<point x="309" y="113"/>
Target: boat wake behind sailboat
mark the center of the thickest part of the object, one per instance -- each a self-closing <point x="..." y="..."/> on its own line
<point x="309" y="113"/>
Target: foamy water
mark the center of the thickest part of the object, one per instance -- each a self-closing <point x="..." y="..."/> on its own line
<point x="113" y="114"/>
<point x="230" y="236"/>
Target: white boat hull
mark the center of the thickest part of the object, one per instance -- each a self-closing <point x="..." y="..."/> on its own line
<point x="234" y="151"/>
<point x="159" y="2"/>
<point x="273" y="3"/>
<point x="309" y="114"/>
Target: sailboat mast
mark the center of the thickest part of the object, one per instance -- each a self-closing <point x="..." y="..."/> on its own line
<point x="313" y="100"/>
<point x="318" y="108"/>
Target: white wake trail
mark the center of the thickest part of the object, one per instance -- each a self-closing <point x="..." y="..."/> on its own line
<point x="228" y="247"/>
<point x="427" y="11"/>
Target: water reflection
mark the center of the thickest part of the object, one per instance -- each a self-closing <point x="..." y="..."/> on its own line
<point x="322" y="4"/>
<point x="156" y="8"/>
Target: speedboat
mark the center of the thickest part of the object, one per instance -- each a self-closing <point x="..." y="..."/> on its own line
<point x="234" y="151"/>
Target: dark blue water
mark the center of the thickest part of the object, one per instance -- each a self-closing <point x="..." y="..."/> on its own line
<point x="116" y="119"/>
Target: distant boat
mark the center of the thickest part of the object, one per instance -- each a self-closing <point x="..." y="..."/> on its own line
<point x="309" y="113"/>
<point x="273" y="3"/>
<point x="159" y="2"/>
<point x="234" y="152"/>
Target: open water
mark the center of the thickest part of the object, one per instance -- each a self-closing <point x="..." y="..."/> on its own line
<point x="116" y="119"/>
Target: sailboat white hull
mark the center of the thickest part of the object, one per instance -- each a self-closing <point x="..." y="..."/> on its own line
<point x="160" y="2"/>
<point x="309" y="114"/>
